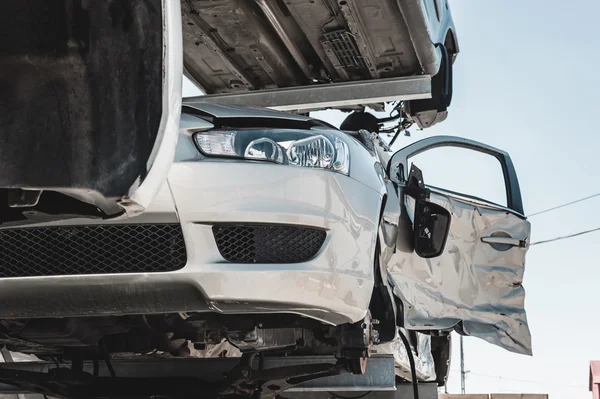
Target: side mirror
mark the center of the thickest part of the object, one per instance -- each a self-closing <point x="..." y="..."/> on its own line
<point x="432" y="224"/>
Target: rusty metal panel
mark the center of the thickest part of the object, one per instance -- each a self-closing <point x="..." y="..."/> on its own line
<point x="595" y="379"/>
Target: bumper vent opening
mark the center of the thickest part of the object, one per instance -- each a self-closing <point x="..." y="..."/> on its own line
<point x="268" y="243"/>
<point x="95" y="249"/>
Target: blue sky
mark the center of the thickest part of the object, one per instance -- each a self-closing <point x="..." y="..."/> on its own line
<point x="527" y="81"/>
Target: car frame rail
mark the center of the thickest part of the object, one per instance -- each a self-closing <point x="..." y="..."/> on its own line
<point x="252" y="376"/>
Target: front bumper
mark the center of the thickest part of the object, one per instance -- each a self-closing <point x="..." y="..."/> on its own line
<point x="334" y="287"/>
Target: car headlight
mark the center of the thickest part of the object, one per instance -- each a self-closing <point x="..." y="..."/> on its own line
<point x="313" y="149"/>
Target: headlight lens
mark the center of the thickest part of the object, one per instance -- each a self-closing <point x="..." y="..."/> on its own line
<point x="313" y="149"/>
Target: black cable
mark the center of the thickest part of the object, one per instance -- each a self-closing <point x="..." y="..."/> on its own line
<point x="413" y="368"/>
<point x="111" y="370"/>
<point x="332" y="13"/>
<point x="96" y="368"/>
<point x="395" y="108"/>
<point x="395" y="137"/>
<point x="335" y="395"/>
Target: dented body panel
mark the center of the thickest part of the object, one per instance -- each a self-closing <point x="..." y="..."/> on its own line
<point x="473" y="285"/>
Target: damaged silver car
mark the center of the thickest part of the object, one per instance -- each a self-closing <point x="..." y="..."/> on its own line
<point x="139" y="236"/>
<point x="280" y="235"/>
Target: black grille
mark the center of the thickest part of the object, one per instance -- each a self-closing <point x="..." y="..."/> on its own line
<point x="97" y="249"/>
<point x="268" y="244"/>
<point x="344" y="47"/>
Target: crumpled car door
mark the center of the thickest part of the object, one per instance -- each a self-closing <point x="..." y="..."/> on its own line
<point x="90" y="101"/>
<point x="475" y="285"/>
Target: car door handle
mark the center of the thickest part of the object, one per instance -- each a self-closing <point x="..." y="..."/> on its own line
<point x="515" y="242"/>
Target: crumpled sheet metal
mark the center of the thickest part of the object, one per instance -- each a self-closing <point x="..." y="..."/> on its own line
<point x="471" y="283"/>
<point x="222" y="349"/>
<point x="424" y="364"/>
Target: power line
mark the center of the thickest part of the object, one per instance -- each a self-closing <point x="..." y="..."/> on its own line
<point x="463" y="373"/>
<point x="565" y="237"/>
<point x="563" y="205"/>
<point x="523" y="380"/>
<point x="530" y="381"/>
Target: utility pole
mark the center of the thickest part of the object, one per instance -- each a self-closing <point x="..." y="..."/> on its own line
<point x="463" y="373"/>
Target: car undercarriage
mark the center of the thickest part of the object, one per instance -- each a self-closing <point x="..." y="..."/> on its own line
<point x="183" y="335"/>
<point x="235" y="378"/>
<point x="240" y="47"/>
<point x="69" y="343"/>
<point x="182" y="355"/>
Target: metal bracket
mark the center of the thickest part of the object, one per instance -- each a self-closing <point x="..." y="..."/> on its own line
<point x="323" y="96"/>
